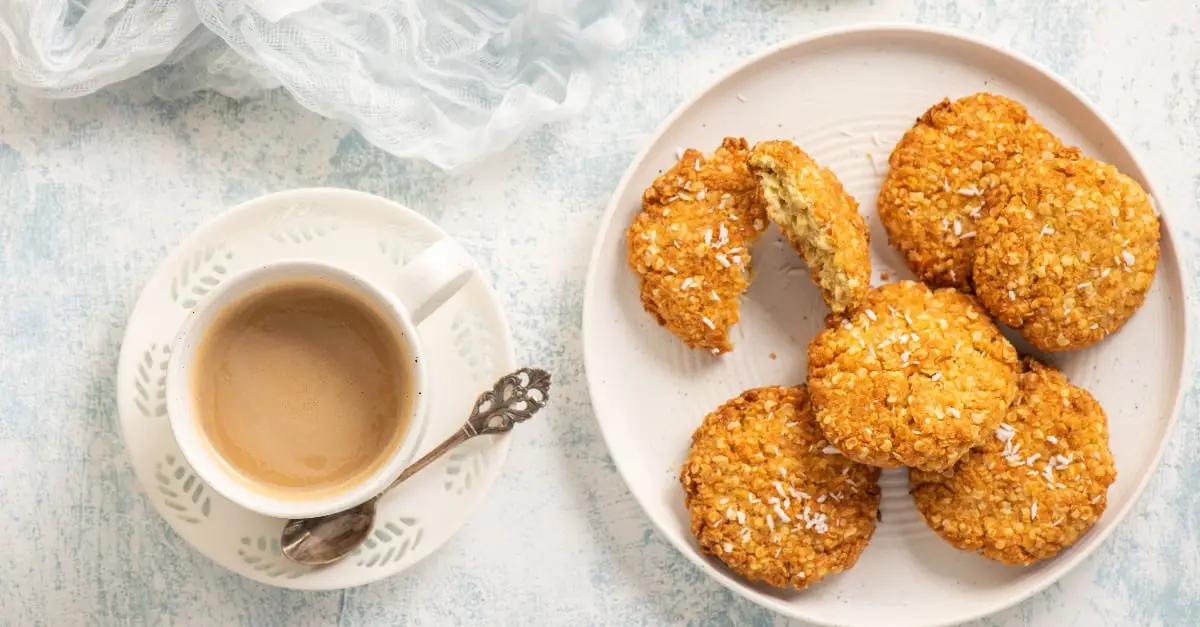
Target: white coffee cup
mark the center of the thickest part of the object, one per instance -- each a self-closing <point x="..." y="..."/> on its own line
<point x="426" y="283"/>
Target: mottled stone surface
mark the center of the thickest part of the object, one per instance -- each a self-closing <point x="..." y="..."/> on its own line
<point x="95" y="192"/>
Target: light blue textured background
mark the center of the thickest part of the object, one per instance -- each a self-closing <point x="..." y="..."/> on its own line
<point x="94" y="192"/>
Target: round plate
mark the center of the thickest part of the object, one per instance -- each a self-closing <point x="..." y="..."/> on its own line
<point x="846" y="97"/>
<point x="468" y="345"/>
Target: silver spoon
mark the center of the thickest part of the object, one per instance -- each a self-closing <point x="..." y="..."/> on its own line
<point x="514" y="398"/>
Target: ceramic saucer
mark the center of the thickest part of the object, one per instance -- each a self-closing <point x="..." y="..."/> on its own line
<point x="468" y="344"/>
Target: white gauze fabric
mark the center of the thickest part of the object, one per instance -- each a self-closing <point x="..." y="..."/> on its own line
<point x="448" y="81"/>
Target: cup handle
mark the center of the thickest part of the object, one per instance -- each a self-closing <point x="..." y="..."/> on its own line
<point x="430" y="279"/>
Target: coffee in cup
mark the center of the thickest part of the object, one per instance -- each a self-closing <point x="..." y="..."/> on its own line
<point x="302" y="388"/>
<point x="297" y="388"/>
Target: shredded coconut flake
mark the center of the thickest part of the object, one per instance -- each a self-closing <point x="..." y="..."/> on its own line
<point x="816" y="522"/>
<point x="708" y="322"/>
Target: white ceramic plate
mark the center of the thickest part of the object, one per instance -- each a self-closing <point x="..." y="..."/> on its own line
<point x="846" y="97"/>
<point x="468" y="345"/>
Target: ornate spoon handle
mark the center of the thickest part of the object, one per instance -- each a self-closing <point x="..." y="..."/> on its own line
<point x="514" y="398"/>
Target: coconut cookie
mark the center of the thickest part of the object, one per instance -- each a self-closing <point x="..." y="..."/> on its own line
<point x="818" y="218"/>
<point x="1035" y="485"/>
<point x="690" y="244"/>
<point x="911" y="377"/>
<point x="770" y="498"/>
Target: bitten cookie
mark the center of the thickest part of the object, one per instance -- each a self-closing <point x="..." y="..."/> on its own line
<point x="818" y="218"/>
<point x="690" y="244"/>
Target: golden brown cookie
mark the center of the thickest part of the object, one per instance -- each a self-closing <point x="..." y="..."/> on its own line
<point x="1070" y="257"/>
<point x="957" y="158"/>
<point x="1032" y="488"/>
<point x="911" y="377"/>
<point x="818" y="218"/>
<point x="768" y="496"/>
<point x="690" y="244"/>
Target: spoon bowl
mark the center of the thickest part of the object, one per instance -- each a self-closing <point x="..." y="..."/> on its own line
<point x="319" y="541"/>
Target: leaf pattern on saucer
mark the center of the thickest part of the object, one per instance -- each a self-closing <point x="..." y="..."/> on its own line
<point x="199" y="273"/>
<point x="400" y="244"/>
<point x="297" y="224"/>
<point x="389" y="542"/>
<point x="264" y="555"/>
<point x="182" y="490"/>
<point x="475" y="346"/>
<point x="150" y="384"/>
<point x="463" y="468"/>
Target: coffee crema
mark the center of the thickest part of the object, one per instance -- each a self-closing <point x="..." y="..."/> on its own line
<point x="302" y="388"/>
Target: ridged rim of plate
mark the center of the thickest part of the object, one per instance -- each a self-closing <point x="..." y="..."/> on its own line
<point x="1061" y="566"/>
